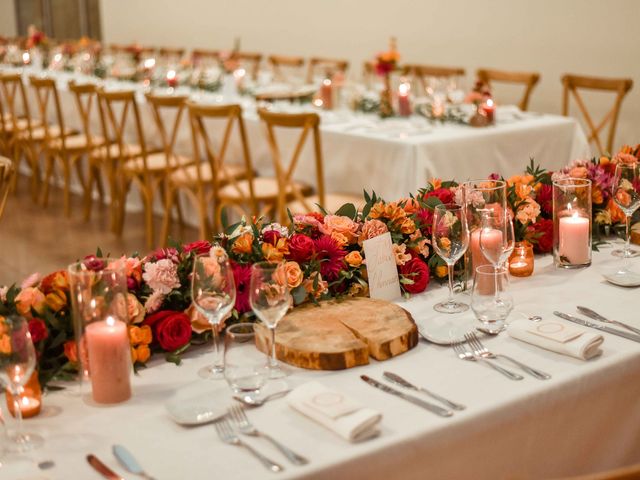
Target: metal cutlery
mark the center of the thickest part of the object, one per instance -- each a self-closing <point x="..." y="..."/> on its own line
<point x="464" y="354"/>
<point x="128" y="461"/>
<point x="480" y="350"/>
<point x="596" y="316"/>
<point x="246" y="427"/>
<point x="597" y="326"/>
<point x="102" y="469"/>
<point x="397" y="379"/>
<point x="256" y="402"/>
<point x="227" y="435"/>
<point x="443" y="412"/>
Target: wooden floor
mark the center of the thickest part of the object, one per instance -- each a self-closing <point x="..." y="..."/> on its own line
<point x="33" y="239"/>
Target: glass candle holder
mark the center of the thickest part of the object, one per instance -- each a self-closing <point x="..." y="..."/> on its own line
<point x="100" y="317"/>
<point x="572" y="222"/>
<point x="521" y="260"/>
<point x="30" y="399"/>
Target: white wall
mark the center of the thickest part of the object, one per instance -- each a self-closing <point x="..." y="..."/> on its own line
<point x="7" y="18"/>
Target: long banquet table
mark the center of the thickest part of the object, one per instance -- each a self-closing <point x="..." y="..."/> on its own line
<point x="394" y="157"/>
<point x="586" y="418"/>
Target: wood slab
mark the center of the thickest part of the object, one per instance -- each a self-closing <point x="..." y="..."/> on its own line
<point x="340" y="334"/>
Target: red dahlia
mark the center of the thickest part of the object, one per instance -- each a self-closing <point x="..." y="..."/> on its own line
<point x="331" y="257"/>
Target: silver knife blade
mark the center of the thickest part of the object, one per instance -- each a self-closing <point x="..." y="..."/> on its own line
<point x="127" y="460"/>
<point x="596" y="316"/>
<point x="102" y="469"/>
<point x="399" y="380"/>
<point x="585" y="323"/>
<point x="443" y="412"/>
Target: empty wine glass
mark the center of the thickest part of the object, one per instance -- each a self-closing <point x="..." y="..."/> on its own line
<point x="496" y="236"/>
<point x="17" y="363"/>
<point x="450" y="241"/>
<point x="270" y="300"/>
<point x="490" y="302"/>
<point x="213" y="291"/>
<point x="245" y="367"/>
<point x="626" y="194"/>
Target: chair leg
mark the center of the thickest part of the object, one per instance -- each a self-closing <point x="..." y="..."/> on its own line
<point x="170" y="195"/>
<point x="148" y="218"/>
<point x="66" y="172"/>
<point x="121" y="201"/>
<point x="88" y="193"/>
<point x="49" y="161"/>
<point x="98" y="177"/>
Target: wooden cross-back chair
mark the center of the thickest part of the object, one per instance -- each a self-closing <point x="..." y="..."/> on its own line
<point x="25" y="132"/>
<point x="198" y="55"/>
<point x="251" y="63"/>
<point x="293" y="195"/>
<point x="369" y="72"/>
<point x="211" y="180"/>
<point x="60" y="144"/>
<point x="281" y="65"/>
<point x="7" y="172"/>
<point x="327" y="65"/>
<point x="619" y="86"/>
<point x="528" y="79"/>
<point x="422" y="73"/>
<point x="170" y="52"/>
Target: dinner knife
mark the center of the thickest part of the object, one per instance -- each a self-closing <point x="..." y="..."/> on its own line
<point x="443" y="412"/>
<point x="586" y="323"/>
<point x="596" y="316"/>
<point x="102" y="469"/>
<point x="128" y="461"/>
<point x="395" y="378"/>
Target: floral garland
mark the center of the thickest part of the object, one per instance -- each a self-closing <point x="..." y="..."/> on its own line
<point x="323" y="258"/>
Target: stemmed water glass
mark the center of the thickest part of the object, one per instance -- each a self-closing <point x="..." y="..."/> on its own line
<point x="270" y="299"/>
<point x="450" y="241"/>
<point x="17" y="363"/>
<point x="626" y="194"/>
<point x="213" y="291"/>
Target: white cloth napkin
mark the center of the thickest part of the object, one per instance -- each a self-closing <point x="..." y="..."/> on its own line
<point x="558" y="336"/>
<point x="335" y="411"/>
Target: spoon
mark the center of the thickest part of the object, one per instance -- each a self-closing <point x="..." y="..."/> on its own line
<point x="256" y="402"/>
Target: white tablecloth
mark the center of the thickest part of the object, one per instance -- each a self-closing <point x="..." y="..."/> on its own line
<point x="586" y="418"/>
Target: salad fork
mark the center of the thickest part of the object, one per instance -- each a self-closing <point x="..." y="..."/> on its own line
<point x="226" y="434"/>
<point x="481" y="351"/>
<point x="246" y="427"/>
<point x="464" y="354"/>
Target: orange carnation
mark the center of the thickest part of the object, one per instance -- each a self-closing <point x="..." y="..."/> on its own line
<point x="243" y="244"/>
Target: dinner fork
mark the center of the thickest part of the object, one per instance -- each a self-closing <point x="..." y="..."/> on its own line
<point x="463" y="354"/>
<point x="226" y="434"/>
<point x="481" y="351"/>
<point x="236" y="412"/>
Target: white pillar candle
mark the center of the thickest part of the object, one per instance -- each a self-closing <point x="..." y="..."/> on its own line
<point x="573" y="235"/>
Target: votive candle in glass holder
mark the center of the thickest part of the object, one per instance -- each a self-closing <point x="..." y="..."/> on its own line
<point x="521" y="260"/>
<point x="29" y="400"/>
<point x="572" y="222"/>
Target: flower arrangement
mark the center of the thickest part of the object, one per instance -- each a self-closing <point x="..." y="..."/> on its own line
<point x="480" y="93"/>
<point x="35" y="38"/>
<point x="387" y="62"/>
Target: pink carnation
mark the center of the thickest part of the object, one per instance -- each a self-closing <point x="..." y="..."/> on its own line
<point x="372" y="229"/>
<point x="154" y="302"/>
<point x="161" y="276"/>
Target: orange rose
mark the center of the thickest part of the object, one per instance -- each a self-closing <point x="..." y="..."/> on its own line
<point x="71" y="351"/>
<point x="30" y="298"/>
<point x="55" y="282"/>
<point x="140" y="354"/>
<point x="5" y="344"/>
<point x="579" y="172"/>
<point x="617" y="215"/>
<point x="135" y="335"/>
<point x="605" y="160"/>
<point x="596" y="195"/>
<point x="293" y="274"/>
<point x="441" y="271"/>
<point x="353" y="259"/>
<point x="623" y="198"/>
<point x="199" y="322"/>
<point x="342" y="225"/>
<point x="243" y="244"/>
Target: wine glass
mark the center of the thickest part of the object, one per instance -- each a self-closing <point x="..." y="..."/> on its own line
<point x="17" y="363"/>
<point x="496" y="237"/>
<point x="490" y="283"/>
<point x="626" y="194"/>
<point x="213" y="291"/>
<point x="246" y="368"/>
<point x="270" y="299"/>
<point x="450" y="241"/>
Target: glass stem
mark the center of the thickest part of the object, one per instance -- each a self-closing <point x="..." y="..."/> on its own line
<point x="496" y="294"/>
<point x="217" y="357"/>
<point x="627" y="245"/>
<point x="273" y="362"/>
<point x="17" y="413"/>
<point x="450" y="272"/>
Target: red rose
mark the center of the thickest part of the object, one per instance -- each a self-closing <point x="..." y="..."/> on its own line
<point x="301" y="248"/>
<point x="172" y="329"/>
<point x="38" y="330"/>
<point x="444" y="194"/>
<point x="200" y="247"/>
<point x="541" y="235"/>
<point x="162" y="253"/>
<point x="94" y="263"/>
<point x="271" y="236"/>
<point x="544" y="199"/>
<point x="417" y="271"/>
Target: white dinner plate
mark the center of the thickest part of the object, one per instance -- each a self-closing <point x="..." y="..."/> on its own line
<point x="623" y="278"/>
<point x="201" y="402"/>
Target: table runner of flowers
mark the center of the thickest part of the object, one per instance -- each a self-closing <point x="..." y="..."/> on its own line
<point x="323" y="254"/>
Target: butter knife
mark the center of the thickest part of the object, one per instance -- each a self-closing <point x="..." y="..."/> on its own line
<point x="409" y="398"/>
<point x="596" y="316"/>
<point x="397" y="379"/>
<point x="128" y="461"/>
<point x="102" y="469"/>
<point x="586" y="323"/>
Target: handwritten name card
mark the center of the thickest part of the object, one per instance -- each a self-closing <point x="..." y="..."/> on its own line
<point x="384" y="283"/>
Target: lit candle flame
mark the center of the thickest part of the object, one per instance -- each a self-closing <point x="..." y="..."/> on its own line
<point x="489" y="102"/>
<point x="403" y="89"/>
<point x="171" y="74"/>
<point x="110" y="321"/>
<point x="150" y="63"/>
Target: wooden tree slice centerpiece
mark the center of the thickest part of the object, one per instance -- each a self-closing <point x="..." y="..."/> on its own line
<point x="341" y="334"/>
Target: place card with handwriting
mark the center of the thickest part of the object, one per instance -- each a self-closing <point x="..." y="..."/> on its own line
<point x="384" y="282"/>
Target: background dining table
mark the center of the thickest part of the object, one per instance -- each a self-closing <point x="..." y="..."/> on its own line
<point x="585" y="418"/>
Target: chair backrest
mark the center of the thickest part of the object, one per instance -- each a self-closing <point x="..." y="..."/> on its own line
<point x="168" y="136"/>
<point x="86" y="96"/>
<point x="619" y="86"/>
<point x="170" y="52"/>
<point x="308" y="123"/>
<point x="282" y="64"/>
<point x="251" y="63"/>
<point x="203" y="147"/>
<point x="528" y="79"/>
<point x="328" y="65"/>
<point x="47" y="99"/>
<point x="197" y="56"/>
<point x="631" y="472"/>
<point x="422" y="73"/>
<point x="7" y="172"/>
<point x="16" y="101"/>
<point x="115" y="125"/>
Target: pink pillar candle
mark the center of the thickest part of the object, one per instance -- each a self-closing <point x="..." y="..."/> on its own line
<point x="326" y="94"/>
<point x="573" y="236"/>
<point x="404" y="105"/>
<point x="489" y="110"/>
<point x="109" y="360"/>
<point x="492" y="240"/>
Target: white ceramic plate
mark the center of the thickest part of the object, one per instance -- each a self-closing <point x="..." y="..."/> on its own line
<point x="623" y="278"/>
<point x="202" y="402"/>
<point x="446" y="329"/>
